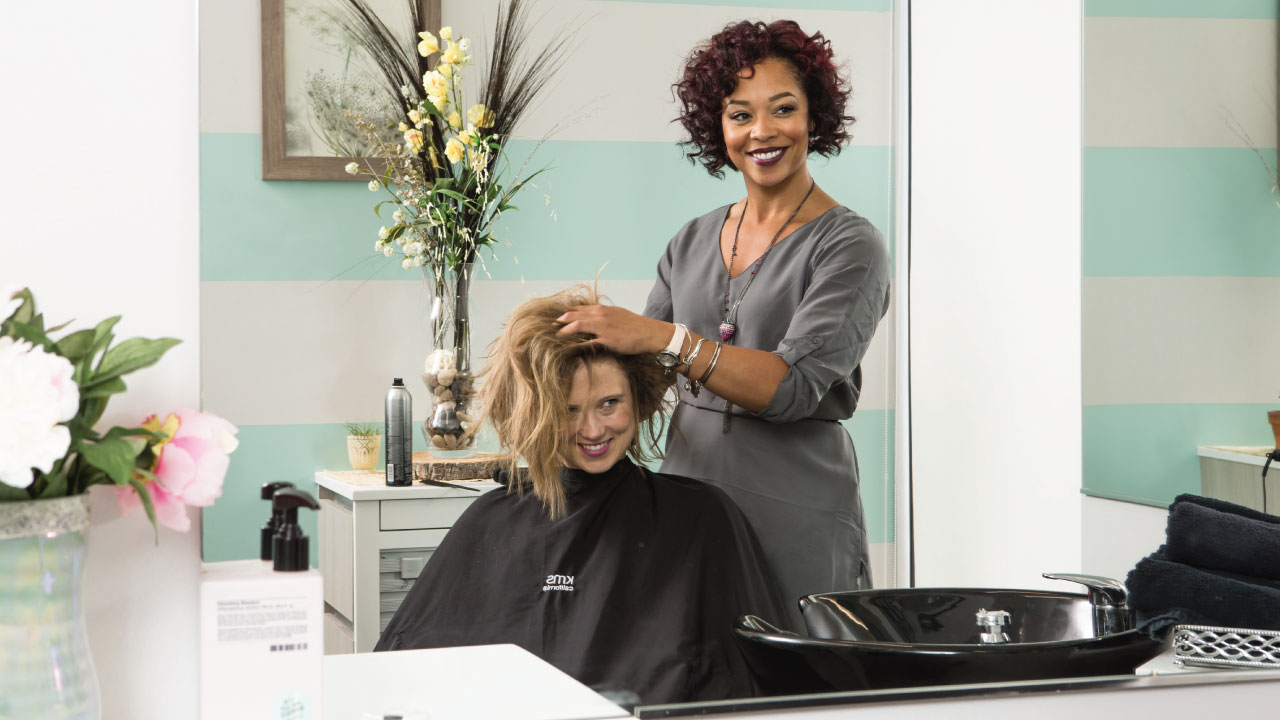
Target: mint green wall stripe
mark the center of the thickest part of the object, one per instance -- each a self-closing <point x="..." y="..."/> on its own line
<point x="613" y="201"/>
<point x="268" y="453"/>
<point x="783" y="5"/>
<point x="868" y="428"/>
<point x="296" y="452"/>
<point x="1147" y="453"/>
<point x="1242" y="9"/>
<point x="1179" y="211"/>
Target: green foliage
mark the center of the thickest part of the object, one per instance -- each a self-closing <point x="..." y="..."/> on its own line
<point x="119" y="456"/>
<point x="363" y="429"/>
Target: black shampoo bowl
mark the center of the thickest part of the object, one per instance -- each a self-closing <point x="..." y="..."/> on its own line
<point x="879" y="639"/>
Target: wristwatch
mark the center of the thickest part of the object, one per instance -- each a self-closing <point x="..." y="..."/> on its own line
<point x="669" y="358"/>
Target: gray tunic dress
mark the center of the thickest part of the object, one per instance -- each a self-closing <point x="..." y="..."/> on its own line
<point x="791" y="468"/>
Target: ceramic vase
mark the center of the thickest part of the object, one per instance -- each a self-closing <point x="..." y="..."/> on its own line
<point x="46" y="670"/>
<point x="449" y="429"/>
<point x="363" y="450"/>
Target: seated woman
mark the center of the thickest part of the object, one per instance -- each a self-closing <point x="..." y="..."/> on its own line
<point x="627" y="580"/>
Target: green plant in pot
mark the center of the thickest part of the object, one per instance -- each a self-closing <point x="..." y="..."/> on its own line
<point x="364" y="444"/>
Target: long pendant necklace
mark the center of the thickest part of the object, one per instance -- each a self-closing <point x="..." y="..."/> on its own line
<point x="729" y="325"/>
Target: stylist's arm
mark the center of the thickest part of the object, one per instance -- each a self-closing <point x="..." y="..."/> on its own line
<point x="744" y="376"/>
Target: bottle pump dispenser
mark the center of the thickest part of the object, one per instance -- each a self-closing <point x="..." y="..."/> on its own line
<point x="273" y="522"/>
<point x="290" y="548"/>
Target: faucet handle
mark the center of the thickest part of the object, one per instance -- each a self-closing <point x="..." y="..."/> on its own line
<point x="1102" y="591"/>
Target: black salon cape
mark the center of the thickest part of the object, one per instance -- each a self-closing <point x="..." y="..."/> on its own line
<point x="636" y="589"/>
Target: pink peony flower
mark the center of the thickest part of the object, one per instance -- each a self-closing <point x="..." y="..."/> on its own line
<point x="190" y="465"/>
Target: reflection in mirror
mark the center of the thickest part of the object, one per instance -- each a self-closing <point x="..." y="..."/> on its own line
<point x="1180" y="259"/>
<point x="304" y="326"/>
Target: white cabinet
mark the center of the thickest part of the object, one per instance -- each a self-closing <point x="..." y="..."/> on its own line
<point x="374" y="541"/>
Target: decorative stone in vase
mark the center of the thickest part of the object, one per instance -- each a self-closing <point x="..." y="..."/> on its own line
<point x="46" y="670"/>
<point x="450" y="429"/>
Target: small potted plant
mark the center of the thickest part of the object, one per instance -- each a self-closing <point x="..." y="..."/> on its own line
<point x="364" y="443"/>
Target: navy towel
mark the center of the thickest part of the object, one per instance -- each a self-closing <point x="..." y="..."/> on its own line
<point x="1218" y="535"/>
<point x="1164" y="594"/>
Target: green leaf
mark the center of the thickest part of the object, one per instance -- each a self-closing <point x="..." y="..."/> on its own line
<point x="454" y="195"/>
<point x="56" y="328"/>
<point x="33" y="335"/>
<point x="27" y="309"/>
<point x="130" y="355"/>
<point x="142" y="432"/>
<point x="76" y="345"/>
<point x="56" y="485"/>
<point x="114" y="456"/>
<point x="13" y="494"/>
<point x="105" y="389"/>
<point x="145" y="496"/>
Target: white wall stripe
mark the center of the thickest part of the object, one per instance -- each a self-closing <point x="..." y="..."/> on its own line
<point x="626" y="56"/>
<point x="1179" y="340"/>
<point x="1177" y="82"/>
<point x="280" y="353"/>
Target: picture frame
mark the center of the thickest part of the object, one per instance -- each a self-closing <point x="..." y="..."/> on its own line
<point x="277" y="162"/>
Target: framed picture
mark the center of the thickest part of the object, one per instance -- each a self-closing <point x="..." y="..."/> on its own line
<point x="311" y="72"/>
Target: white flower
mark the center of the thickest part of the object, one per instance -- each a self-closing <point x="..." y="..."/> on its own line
<point x="374" y="186"/>
<point x="465" y="45"/>
<point x="404" y="90"/>
<point x="413" y="248"/>
<point x="39" y="394"/>
<point x="417" y="261"/>
<point x="383" y="232"/>
<point x="351" y="168"/>
<point x="377" y="246"/>
<point x="406" y="263"/>
<point x="388" y="251"/>
<point x="446" y="33"/>
<point x="398" y="216"/>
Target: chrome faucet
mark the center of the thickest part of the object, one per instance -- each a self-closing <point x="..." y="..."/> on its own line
<point x="992" y="623"/>
<point x="1110" y="600"/>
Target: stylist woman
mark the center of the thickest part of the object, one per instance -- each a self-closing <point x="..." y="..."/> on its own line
<point x="767" y="306"/>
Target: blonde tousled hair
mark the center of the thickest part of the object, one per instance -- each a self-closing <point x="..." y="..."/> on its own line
<point x="525" y="395"/>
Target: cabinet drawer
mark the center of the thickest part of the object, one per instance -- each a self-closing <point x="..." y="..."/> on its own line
<point x="421" y="514"/>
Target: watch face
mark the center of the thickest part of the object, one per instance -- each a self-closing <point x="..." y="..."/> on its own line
<point x="668" y="359"/>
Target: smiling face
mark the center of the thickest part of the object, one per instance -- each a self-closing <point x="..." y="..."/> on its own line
<point x="766" y="123"/>
<point x="601" y="417"/>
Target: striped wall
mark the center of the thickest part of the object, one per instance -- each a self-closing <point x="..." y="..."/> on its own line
<point x="1181" y="239"/>
<point x="303" y="326"/>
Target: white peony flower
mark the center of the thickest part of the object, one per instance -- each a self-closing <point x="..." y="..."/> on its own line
<point x="38" y="395"/>
<point x="351" y="168"/>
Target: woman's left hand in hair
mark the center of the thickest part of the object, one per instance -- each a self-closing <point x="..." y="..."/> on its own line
<point x="618" y="329"/>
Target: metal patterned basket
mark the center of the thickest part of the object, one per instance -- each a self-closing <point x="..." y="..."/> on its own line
<point x="1220" y="646"/>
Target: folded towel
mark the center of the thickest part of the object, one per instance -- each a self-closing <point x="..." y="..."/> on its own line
<point x="1226" y="507"/>
<point x="1216" y="535"/>
<point x="1163" y="594"/>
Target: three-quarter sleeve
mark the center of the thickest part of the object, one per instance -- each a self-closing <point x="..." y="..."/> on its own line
<point x="847" y="295"/>
<point x="659" y="306"/>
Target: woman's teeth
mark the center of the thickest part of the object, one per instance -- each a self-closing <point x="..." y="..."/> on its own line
<point x="767" y="155"/>
<point x="595" y="450"/>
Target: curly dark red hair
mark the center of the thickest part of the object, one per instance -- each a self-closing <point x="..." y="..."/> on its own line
<point x="711" y="73"/>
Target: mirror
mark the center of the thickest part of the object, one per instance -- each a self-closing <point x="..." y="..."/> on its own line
<point x="303" y="325"/>
<point x="1179" y="256"/>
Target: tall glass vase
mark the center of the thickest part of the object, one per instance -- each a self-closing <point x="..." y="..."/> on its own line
<point x="46" y="670"/>
<point x="450" y="429"/>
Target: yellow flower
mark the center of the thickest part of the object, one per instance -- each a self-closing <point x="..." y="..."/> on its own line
<point x="446" y="33"/>
<point x="452" y="55"/>
<point x="445" y="69"/>
<point x="428" y="44"/>
<point x="403" y="127"/>
<point x="453" y="150"/>
<point x="413" y="138"/>
<point x="439" y="101"/>
<point x="469" y="136"/>
<point x="455" y="122"/>
<point x="435" y="83"/>
<point x="480" y="116"/>
<point x="475" y="159"/>
<point x="414" y="116"/>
